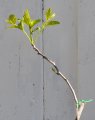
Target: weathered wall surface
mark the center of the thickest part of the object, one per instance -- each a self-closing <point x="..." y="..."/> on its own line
<point x="29" y="90"/>
<point x="86" y="55"/>
<point x="21" y="70"/>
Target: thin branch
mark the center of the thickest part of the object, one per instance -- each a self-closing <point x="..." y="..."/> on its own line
<point x="57" y="71"/>
<point x="78" y="111"/>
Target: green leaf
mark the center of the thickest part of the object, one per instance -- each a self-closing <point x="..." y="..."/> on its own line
<point x="26" y="17"/>
<point x="34" y="22"/>
<point x="49" y="14"/>
<point x="21" y="25"/>
<point x="13" y="26"/>
<point x="51" y="23"/>
<point x="12" y="19"/>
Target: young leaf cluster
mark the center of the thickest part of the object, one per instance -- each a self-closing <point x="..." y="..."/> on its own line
<point x="49" y="16"/>
<point x="32" y="24"/>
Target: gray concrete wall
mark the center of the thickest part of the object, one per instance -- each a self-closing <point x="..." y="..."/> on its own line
<point x="29" y="90"/>
<point x="86" y="55"/>
<point x="21" y="70"/>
